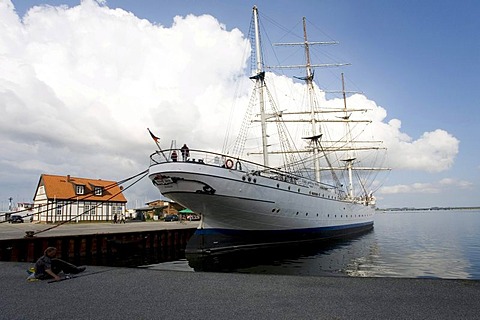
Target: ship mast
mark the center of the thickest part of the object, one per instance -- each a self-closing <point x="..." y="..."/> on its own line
<point x="316" y="133"/>
<point x="313" y="110"/>
<point x="260" y="86"/>
<point x="348" y="135"/>
<point x="311" y="95"/>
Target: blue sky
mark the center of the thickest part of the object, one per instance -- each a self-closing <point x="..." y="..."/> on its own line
<point x="418" y="60"/>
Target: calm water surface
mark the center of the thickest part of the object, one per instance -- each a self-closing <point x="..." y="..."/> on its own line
<point x="417" y="244"/>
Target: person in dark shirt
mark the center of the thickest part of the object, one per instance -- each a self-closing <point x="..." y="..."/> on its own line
<point x="185" y="152"/>
<point x="48" y="267"/>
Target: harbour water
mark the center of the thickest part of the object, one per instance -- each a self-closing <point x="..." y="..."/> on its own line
<point x="408" y="244"/>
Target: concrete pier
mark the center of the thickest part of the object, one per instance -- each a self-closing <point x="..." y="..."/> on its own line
<point x="18" y="230"/>
<point x="97" y="243"/>
<point x="134" y="293"/>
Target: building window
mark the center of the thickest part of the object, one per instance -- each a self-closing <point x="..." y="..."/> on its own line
<point x="117" y="209"/>
<point x="98" y="191"/>
<point x="80" y="189"/>
<point x="59" y="208"/>
<point x="90" y="208"/>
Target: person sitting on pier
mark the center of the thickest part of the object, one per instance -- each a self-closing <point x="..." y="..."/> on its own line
<point x="48" y="267"/>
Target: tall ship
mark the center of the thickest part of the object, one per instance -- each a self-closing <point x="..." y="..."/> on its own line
<point x="298" y="184"/>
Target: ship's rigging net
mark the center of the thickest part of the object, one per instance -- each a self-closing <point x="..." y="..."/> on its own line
<point x="338" y="154"/>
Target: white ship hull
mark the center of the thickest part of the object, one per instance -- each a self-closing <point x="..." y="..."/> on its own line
<point x="243" y="210"/>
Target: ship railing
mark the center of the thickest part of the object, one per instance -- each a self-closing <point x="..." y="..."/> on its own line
<point x="235" y="163"/>
<point x="197" y="156"/>
<point x="367" y="200"/>
<point x="208" y="158"/>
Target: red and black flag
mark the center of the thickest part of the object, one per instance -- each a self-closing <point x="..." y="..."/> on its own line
<point x="154" y="137"/>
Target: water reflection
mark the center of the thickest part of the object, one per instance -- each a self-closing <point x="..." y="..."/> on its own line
<point x="426" y="244"/>
<point x="326" y="258"/>
<point x="433" y="244"/>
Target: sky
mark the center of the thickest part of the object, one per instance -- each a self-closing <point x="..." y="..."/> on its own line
<point x="80" y="81"/>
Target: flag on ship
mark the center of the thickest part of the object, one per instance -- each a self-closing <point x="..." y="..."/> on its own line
<point x="154" y="137"/>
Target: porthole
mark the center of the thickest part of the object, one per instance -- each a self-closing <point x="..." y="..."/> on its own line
<point x="273" y="210"/>
<point x="278" y="185"/>
<point x="249" y="179"/>
<point x="278" y="210"/>
<point x="306" y="214"/>
<point x="298" y="189"/>
<point x="288" y="187"/>
<point x="243" y="178"/>
<point x="297" y="213"/>
<point x="254" y="180"/>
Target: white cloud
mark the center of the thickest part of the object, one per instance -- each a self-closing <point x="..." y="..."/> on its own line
<point x="446" y="182"/>
<point x="434" y="151"/>
<point x="429" y="187"/>
<point x="79" y="86"/>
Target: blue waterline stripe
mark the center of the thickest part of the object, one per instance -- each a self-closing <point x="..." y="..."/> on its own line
<point x="280" y="232"/>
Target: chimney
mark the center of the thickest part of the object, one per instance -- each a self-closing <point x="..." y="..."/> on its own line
<point x="68" y="178"/>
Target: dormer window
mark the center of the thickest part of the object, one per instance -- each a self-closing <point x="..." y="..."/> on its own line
<point x="98" y="191"/>
<point x="79" y="189"/>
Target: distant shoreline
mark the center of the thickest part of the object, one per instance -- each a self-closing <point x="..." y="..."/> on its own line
<point x="427" y="209"/>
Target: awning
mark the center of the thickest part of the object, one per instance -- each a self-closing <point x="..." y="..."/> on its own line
<point x="185" y="211"/>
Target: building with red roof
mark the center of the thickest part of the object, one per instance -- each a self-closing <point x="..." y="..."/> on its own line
<point x="66" y="198"/>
